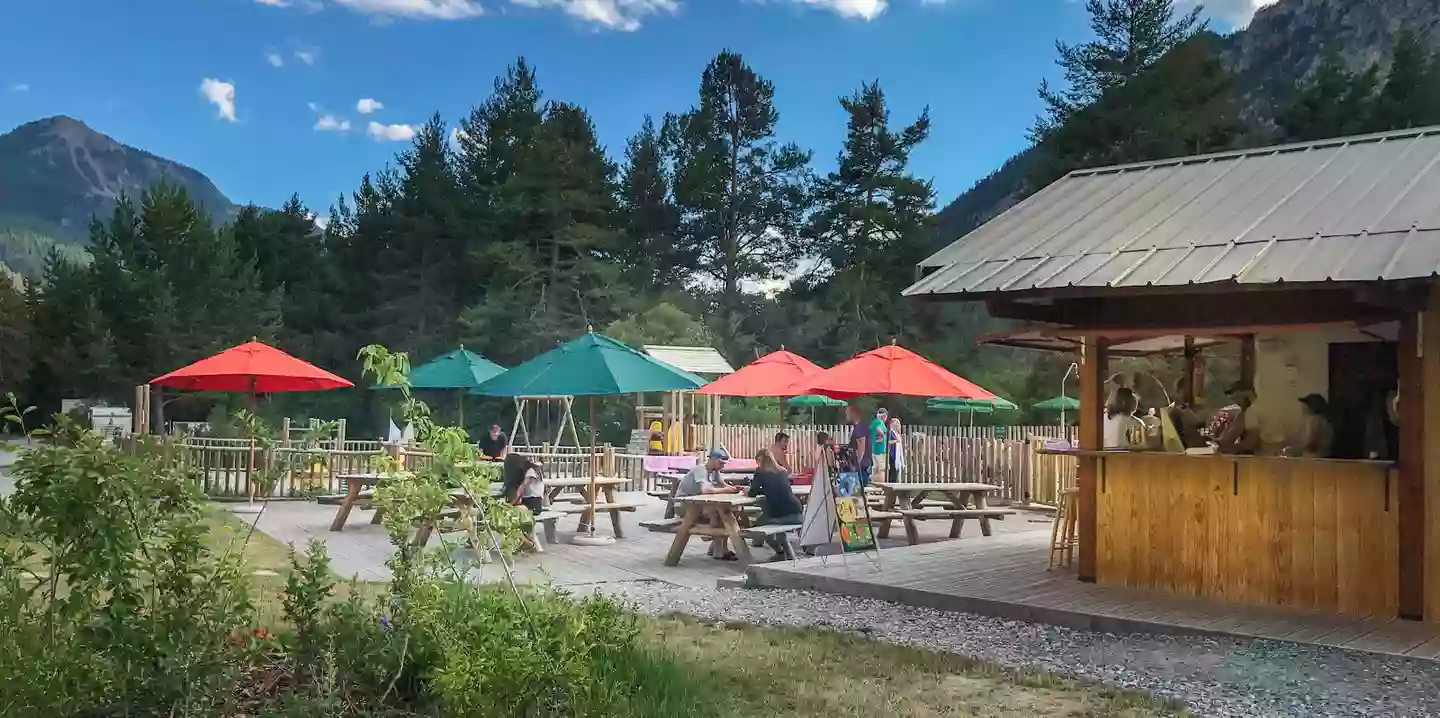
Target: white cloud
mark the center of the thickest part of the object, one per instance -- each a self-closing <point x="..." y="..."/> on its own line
<point x="20" y="87"/>
<point x="274" y="3"/>
<point x="367" y="105"/>
<point x="331" y="123"/>
<point x="851" y="9"/>
<point x="416" y="9"/>
<point x="274" y="58"/>
<point x="614" y="14"/>
<point x="1233" y="14"/>
<point x="221" y="95"/>
<point x="308" y="55"/>
<point x="390" y="133"/>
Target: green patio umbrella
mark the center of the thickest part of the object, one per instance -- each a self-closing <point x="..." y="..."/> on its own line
<point x="971" y="406"/>
<point x="1059" y="403"/>
<point x="590" y="365"/>
<point x="459" y="370"/>
<point x="813" y="400"/>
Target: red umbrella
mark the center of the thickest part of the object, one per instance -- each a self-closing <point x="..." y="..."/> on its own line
<point x="770" y="375"/>
<point x="888" y="370"/>
<point x="252" y="367"/>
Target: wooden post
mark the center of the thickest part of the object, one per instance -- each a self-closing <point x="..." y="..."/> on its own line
<point x="1247" y="359"/>
<point x="1410" y="491"/>
<point x="1190" y="389"/>
<point x="1092" y="398"/>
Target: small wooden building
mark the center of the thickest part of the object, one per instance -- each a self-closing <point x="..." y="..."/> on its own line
<point x="1317" y="263"/>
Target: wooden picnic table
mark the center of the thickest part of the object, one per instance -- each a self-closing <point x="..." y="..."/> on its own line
<point x="606" y="502"/>
<point x="961" y="500"/>
<point x="728" y="506"/>
<point x="355" y="483"/>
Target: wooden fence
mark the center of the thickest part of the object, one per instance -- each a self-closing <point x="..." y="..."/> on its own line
<point x="931" y="454"/>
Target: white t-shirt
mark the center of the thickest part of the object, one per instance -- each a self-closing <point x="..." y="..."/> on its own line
<point x="1115" y="427"/>
<point x="534" y="487"/>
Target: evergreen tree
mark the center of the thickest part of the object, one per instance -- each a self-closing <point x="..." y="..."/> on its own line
<point x="872" y="223"/>
<point x="14" y="337"/>
<point x="650" y="250"/>
<point x="1410" y="96"/>
<point x="1184" y="105"/>
<point x="1325" y="105"/>
<point x="742" y="196"/>
<point x="1130" y="37"/>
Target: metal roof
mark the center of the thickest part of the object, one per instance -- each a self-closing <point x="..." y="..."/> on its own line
<point x="1349" y="209"/>
<point x="696" y="360"/>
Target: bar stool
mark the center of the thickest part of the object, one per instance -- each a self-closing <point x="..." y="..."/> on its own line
<point x="1062" y="534"/>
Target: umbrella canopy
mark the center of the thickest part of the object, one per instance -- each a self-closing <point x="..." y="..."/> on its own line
<point x="252" y="367"/>
<point x="974" y="406"/>
<point x="770" y="375"/>
<point x="1059" y="403"/>
<point x="889" y="370"/>
<point x="460" y="369"/>
<point x="589" y="365"/>
<point x="815" y="400"/>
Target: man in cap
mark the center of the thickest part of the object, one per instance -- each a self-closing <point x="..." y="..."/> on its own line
<point x="706" y="479"/>
<point x="1238" y="434"/>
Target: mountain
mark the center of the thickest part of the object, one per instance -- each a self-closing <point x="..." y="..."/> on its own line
<point x="57" y="173"/>
<point x="1282" y="45"/>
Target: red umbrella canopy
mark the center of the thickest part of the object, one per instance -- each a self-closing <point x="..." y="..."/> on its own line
<point x="770" y="375"/>
<point x="255" y="367"/>
<point x="888" y="370"/>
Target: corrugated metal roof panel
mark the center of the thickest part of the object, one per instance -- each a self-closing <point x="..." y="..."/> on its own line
<point x="1354" y="209"/>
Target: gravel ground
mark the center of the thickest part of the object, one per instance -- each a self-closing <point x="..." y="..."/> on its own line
<point x="1214" y="677"/>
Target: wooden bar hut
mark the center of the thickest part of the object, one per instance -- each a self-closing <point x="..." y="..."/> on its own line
<point x="1316" y="264"/>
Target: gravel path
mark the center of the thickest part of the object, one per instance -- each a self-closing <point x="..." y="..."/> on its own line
<point x="1214" y="677"/>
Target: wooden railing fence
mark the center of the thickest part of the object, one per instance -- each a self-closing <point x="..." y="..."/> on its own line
<point x="931" y="454"/>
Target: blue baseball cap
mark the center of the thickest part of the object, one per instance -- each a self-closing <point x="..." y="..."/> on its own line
<point x="719" y="455"/>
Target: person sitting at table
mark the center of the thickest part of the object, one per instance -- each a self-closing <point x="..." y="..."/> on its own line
<point x="1121" y="426"/>
<point x="780" y="450"/>
<point x="1233" y="429"/>
<point x="703" y="480"/>
<point x="1318" y="436"/>
<point x="772" y="482"/>
<point x="495" y="444"/>
<point x="524" y="486"/>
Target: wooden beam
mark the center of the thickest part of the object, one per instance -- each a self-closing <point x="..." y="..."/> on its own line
<point x="1411" y="473"/>
<point x="1247" y="359"/>
<point x="1179" y="311"/>
<point x="1092" y="387"/>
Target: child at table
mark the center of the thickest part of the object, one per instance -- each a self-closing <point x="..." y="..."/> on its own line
<point x="525" y="486"/>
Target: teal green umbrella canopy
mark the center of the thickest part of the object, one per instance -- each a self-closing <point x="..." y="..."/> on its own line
<point x="1059" y="403"/>
<point x="460" y="369"/>
<point x="589" y="365"/>
<point x="814" y="400"/>
<point x="974" y="406"/>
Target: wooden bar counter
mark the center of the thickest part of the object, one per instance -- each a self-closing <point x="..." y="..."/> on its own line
<point x="1313" y="534"/>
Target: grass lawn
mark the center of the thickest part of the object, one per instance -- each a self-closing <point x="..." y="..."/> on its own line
<point x="769" y="672"/>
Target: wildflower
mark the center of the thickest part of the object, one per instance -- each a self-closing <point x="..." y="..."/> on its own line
<point x="385" y="621"/>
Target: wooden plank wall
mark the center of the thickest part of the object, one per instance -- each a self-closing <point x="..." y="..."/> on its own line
<point x="1313" y="535"/>
<point x="1428" y="331"/>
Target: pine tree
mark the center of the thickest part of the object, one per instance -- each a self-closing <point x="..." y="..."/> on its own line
<point x="1130" y="37"/>
<point x="741" y="194"/>
<point x="872" y="223"/>
<point x="1332" y="102"/>
<point x="1408" y="98"/>
<point x="14" y="337"/>
<point x="650" y="248"/>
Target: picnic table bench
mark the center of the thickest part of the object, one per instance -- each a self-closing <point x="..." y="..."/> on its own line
<point x="957" y="502"/>
<point x="606" y="502"/>
<point x="358" y="487"/>
<point x="728" y="506"/>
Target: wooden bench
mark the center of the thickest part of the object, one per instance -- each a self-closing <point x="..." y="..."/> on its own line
<point x="761" y="533"/>
<point x="663" y="525"/>
<point x="956" y="516"/>
<point x="614" y="509"/>
<point x="662" y="494"/>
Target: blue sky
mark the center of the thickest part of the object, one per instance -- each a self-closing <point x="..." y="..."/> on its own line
<point x="265" y="96"/>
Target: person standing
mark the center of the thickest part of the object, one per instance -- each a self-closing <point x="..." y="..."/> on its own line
<point x="780" y="450"/>
<point x="880" y="443"/>
<point x="858" y="449"/>
<point x="897" y="451"/>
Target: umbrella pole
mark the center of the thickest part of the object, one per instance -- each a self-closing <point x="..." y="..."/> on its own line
<point x="249" y="507"/>
<point x="590" y="539"/>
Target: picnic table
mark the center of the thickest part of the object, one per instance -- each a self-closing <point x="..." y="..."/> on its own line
<point x="355" y="486"/>
<point x="958" y="501"/>
<point x="729" y="506"/>
<point x="607" y="502"/>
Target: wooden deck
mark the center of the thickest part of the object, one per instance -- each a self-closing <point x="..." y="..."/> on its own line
<point x="1006" y="576"/>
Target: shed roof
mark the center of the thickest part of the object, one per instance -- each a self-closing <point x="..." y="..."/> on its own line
<point x="696" y="360"/>
<point x="1358" y="208"/>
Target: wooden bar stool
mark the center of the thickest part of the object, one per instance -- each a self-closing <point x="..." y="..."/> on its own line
<point x="1062" y="534"/>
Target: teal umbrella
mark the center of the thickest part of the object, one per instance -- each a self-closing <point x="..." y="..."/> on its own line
<point x="1059" y="403"/>
<point x="590" y="365"/>
<point x="458" y="370"/>
<point x="814" y="400"/>
<point x="974" y="406"/>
